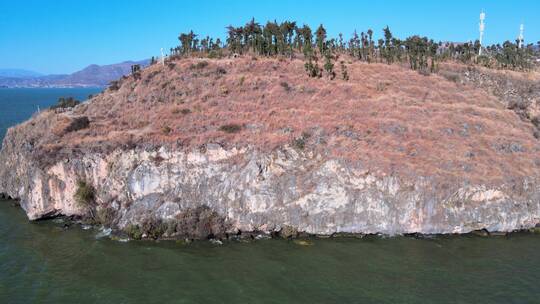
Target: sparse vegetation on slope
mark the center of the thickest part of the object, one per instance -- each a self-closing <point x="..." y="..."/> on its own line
<point x="385" y="116"/>
<point x="65" y="103"/>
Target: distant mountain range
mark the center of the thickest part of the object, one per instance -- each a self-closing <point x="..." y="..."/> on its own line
<point x="18" y="73"/>
<point x="92" y="76"/>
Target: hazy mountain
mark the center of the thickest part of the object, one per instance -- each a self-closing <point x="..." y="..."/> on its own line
<point x="92" y="76"/>
<point x="18" y="73"/>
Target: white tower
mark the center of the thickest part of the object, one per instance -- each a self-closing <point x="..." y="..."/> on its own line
<point x="162" y="57"/>
<point x="481" y="27"/>
<point x="520" y="38"/>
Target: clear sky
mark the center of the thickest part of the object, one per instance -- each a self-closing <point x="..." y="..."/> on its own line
<point x="62" y="36"/>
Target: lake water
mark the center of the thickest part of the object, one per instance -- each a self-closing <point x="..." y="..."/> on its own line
<point x="17" y="105"/>
<point x="41" y="262"/>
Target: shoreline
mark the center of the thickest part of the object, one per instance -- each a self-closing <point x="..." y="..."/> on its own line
<point x="72" y="222"/>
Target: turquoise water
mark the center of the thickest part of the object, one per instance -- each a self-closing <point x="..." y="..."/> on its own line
<point x="42" y="262"/>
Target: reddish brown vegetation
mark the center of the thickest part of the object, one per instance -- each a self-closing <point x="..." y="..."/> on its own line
<point x="387" y="117"/>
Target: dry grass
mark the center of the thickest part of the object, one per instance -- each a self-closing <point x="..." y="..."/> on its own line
<point x="385" y="117"/>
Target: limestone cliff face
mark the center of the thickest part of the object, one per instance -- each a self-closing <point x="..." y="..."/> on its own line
<point x="252" y="191"/>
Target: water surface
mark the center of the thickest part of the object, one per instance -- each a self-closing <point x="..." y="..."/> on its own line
<point x="43" y="262"/>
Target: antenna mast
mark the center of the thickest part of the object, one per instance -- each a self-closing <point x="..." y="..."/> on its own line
<point x="162" y="57"/>
<point x="481" y="27"/>
<point x="520" y="38"/>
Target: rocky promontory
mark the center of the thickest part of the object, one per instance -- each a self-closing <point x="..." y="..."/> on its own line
<point x="211" y="147"/>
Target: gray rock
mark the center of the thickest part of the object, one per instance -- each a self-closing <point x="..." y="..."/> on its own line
<point x="215" y="191"/>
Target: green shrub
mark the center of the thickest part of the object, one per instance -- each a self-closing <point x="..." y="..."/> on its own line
<point x="78" y="123"/>
<point x="84" y="195"/>
<point x="114" y="85"/>
<point x="382" y="86"/>
<point x="105" y="216"/>
<point x="344" y="73"/>
<point x="199" y="65"/>
<point x="183" y="111"/>
<point x="213" y="54"/>
<point x="171" y="228"/>
<point x="65" y="103"/>
<point x="484" y="61"/>
<point x="313" y="69"/>
<point x="166" y="130"/>
<point x="451" y="76"/>
<point x="133" y="231"/>
<point x="300" y="142"/>
<point x="151" y="228"/>
<point x="230" y="128"/>
<point x="221" y="71"/>
<point x="424" y="72"/>
<point x="285" y="86"/>
<point x="536" y="121"/>
<point x="154" y="228"/>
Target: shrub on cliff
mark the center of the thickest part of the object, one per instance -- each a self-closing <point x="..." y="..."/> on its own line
<point x="199" y="66"/>
<point x="133" y="231"/>
<point x="65" y="103"/>
<point x="200" y="223"/>
<point x="285" y="86"/>
<point x="312" y="69"/>
<point x="231" y="128"/>
<point x="221" y="71"/>
<point x="114" y="85"/>
<point x="84" y="195"/>
<point x="344" y="73"/>
<point x="78" y="123"/>
<point x="300" y="142"/>
<point x="536" y="121"/>
<point x="166" y="130"/>
<point x="154" y="228"/>
<point x="105" y="216"/>
<point x="214" y="54"/>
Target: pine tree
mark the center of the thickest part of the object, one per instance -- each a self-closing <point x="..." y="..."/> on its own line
<point x="389" y="53"/>
<point x="370" y="45"/>
<point x="321" y="38"/>
<point x="307" y="38"/>
<point x="328" y="65"/>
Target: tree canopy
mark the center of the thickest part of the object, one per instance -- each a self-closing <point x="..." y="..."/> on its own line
<point x="289" y="39"/>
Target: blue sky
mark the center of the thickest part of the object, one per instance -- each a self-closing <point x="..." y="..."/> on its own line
<point x="60" y="36"/>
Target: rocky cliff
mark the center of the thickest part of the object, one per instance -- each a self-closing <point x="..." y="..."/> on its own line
<point x="201" y="148"/>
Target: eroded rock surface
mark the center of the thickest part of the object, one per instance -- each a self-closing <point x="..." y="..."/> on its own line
<point x="251" y="191"/>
